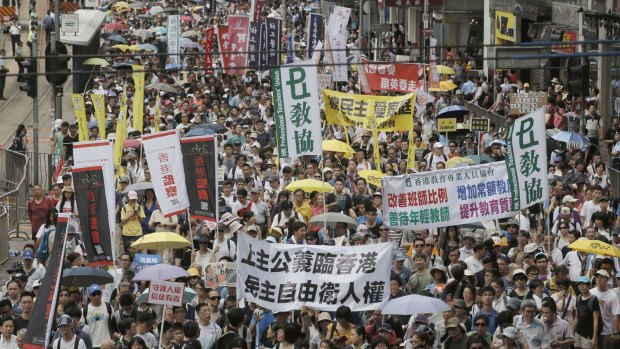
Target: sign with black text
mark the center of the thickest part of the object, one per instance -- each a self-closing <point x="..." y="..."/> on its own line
<point x="166" y="293"/>
<point x="479" y="125"/>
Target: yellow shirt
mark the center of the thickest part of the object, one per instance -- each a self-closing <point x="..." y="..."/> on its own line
<point x="304" y="210"/>
<point x="132" y="227"/>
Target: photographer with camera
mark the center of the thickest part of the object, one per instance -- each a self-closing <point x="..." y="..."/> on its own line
<point x="131" y="216"/>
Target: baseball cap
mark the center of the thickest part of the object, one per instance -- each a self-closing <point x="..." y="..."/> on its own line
<point x="324" y="316"/>
<point x="460" y="303"/>
<point x="469" y="234"/>
<point x="529" y="248"/>
<point x="36" y="284"/>
<point x="362" y="229"/>
<point x="400" y="257"/>
<point x="132" y="195"/>
<point x="602" y="272"/>
<point x="421" y="319"/>
<point x="271" y="239"/>
<point x="565" y="210"/>
<point x="437" y="145"/>
<point x="517" y="272"/>
<point x="509" y="332"/>
<point x="252" y="227"/>
<point x="386" y="328"/>
<point x="253" y="135"/>
<point x="458" y="92"/>
<point x="452" y="323"/>
<point x="123" y="179"/>
<point x="513" y="303"/>
<point x="327" y="169"/>
<point x="526" y="85"/>
<point x="568" y="198"/>
<point x="603" y="198"/>
<point x="94" y="288"/>
<point x="584" y="280"/>
<point x="512" y="222"/>
<point x="193" y="272"/>
<point x="237" y="142"/>
<point x="65" y="320"/>
<point x="28" y="254"/>
<point x="377" y="193"/>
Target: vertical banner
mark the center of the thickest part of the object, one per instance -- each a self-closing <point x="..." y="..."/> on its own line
<point x="157" y="113"/>
<point x="433" y="75"/>
<point x="284" y="277"/>
<point x="256" y="10"/>
<point x="138" y="98"/>
<point x="254" y="45"/>
<point x="290" y="55"/>
<point x="200" y="163"/>
<point x="296" y="105"/>
<point x="99" y="106"/>
<point x="262" y="46"/>
<point x="173" y="38"/>
<point x="163" y="155"/>
<point x="38" y="336"/>
<point x="223" y="45"/>
<point x="274" y="34"/>
<point x="526" y="160"/>
<point x="80" y="114"/>
<point x="315" y="32"/>
<point x="238" y="28"/>
<point x="121" y="134"/>
<point x="338" y="41"/>
<point x="90" y="197"/>
<point x="505" y="27"/>
<point x="209" y="38"/>
<point x="99" y="153"/>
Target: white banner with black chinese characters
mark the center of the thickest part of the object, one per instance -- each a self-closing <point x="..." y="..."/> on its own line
<point x="165" y="160"/>
<point x="284" y="277"/>
<point x="296" y="106"/>
<point x="447" y="197"/>
<point x="173" y="37"/>
<point x="526" y="160"/>
<point x="338" y="41"/>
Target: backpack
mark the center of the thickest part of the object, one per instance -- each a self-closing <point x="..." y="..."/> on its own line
<point x="75" y="345"/>
<point x="17" y="144"/>
<point x="225" y="341"/>
<point x="43" y="252"/>
<point x="110" y="312"/>
<point x="591" y="309"/>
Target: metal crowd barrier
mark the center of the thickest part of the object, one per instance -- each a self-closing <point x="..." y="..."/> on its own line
<point x="480" y="112"/>
<point x="614" y="178"/>
<point x="13" y="195"/>
<point x="47" y="167"/>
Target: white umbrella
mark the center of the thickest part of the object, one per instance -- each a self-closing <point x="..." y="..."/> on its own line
<point x="155" y="10"/>
<point x="415" y="304"/>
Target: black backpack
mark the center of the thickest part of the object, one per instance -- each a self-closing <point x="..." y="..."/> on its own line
<point x="226" y="340"/>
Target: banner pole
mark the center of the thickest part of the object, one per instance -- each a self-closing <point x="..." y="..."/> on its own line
<point x="161" y="328"/>
<point x="191" y="235"/>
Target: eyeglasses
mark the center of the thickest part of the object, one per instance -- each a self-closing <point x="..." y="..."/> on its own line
<point x="419" y="245"/>
<point x="430" y="245"/>
<point x="480" y="324"/>
<point x="216" y="298"/>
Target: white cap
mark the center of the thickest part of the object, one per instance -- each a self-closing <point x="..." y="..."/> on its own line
<point x="132" y="195"/>
<point x="437" y="145"/>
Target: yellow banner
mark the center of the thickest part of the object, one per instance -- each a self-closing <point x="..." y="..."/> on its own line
<point x="446" y="125"/>
<point x="99" y="105"/>
<point x="121" y="135"/>
<point x="157" y="113"/>
<point x="505" y="26"/>
<point x="138" y="98"/>
<point x="411" y="150"/>
<point x="80" y="114"/>
<point x="372" y="113"/>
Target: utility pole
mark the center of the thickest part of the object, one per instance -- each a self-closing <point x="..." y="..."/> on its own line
<point x="35" y="107"/>
<point x="57" y="90"/>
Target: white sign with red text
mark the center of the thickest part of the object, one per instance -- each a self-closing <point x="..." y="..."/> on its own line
<point x="166" y="293"/>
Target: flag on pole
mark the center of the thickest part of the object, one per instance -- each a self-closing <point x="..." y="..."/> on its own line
<point x="138" y="98"/>
<point x="80" y="114"/>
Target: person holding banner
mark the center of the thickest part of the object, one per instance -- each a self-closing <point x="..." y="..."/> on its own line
<point x="132" y="215"/>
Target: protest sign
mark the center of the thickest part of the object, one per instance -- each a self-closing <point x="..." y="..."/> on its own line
<point x="253" y="45"/>
<point x="91" y="201"/>
<point x="272" y="41"/>
<point x="200" y="163"/>
<point x="209" y="41"/>
<point x="99" y="106"/>
<point x="166" y="293"/>
<point x="80" y="114"/>
<point x="337" y="38"/>
<point x="221" y="274"/>
<point x="479" y="125"/>
<point x="238" y="27"/>
<point x="143" y="260"/>
<point x="138" y="97"/>
<point x="315" y="32"/>
<point x="296" y="105"/>
<point x="284" y="277"/>
<point x="447" y="197"/>
<point x="446" y="125"/>
<point x="165" y="160"/>
<point x="526" y="160"/>
<point x="369" y="112"/>
<point x="173" y="38"/>
<point x="37" y="336"/>
<point x="397" y="77"/>
<point x="527" y="102"/>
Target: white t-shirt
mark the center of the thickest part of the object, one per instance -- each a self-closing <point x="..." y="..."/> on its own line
<point x="573" y="262"/>
<point x="587" y="210"/>
<point x="610" y="307"/>
<point x="97" y="320"/>
<point x="149" y="339"/>
<point x="209" y="335"/>
<point x="474" y="265"/>
<point x="68" y="345"/>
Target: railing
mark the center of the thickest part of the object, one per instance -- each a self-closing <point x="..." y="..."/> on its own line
<point x="47" y="166"/>
<point x="14" y="177"/>
<point x="614" y="178"/>
<point x="480" y="112"/>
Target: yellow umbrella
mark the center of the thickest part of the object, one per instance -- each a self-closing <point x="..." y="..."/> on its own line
<point x="310" y="185"/>
<point x="372" y="177"/>
<point x="96" y="61"/>
<point x="197" y="8"/>
<point x="595" y="247"/>
<point x="120" y="4"/>
<point x="444" y="86"/>
<point x="160" y="241"/>
<point x="134" y="48"/>
<point x="337" y="146"/>
<point x="122" y="47"/>
<point x="442" y="69"/>
<point x="458" y="161"/>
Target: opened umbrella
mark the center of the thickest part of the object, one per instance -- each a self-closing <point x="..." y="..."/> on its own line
<point x="160" y="241"/>
<point x="595" y="247"/>
<point x="186" y="19"/>
<point x="132" y="143"/>
<point x="144" y="16"/>
<point x="197" y="8"/>
<point x="442" y="69"/>
<point x="120" y="4"/>
<point x="142" y="33"/>
<point x="189" y="33"/>
<point x="155" y="29"/>
<point x="136" y="5"/>
<point x="121" y="47"/>
<point x="415" y="304"/>
<point x="171" y="11"/>
<point x="161" y="272"/>
<point x="174" y="66"/>
<point x="139" y="187"/>
<point x="199" y="131"/>
<point x="155" y="10"/>
<point x="148" y="47"/>
<point x="458" y="161"/>
<point x="453" y="111"/>
<point x="444" y="86"/>
<point x="337" y="146"/>
<point x="115" y="26"/>
<point x="373" y="177"/>
<point x="96" y="61"/>
<point x="333" y="218"/>
<point x="161" y="87"/>
<point x="188" y="296"/>
<point x="86" y="276"/>
<point x="192" y="45"/>
<point x="116" y="38"/>
<point x="310" y="185"/>
<point x="215" y="127"/>
<point x="572" y="138"/>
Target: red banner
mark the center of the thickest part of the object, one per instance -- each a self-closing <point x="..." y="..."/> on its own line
<point x="209" y="38"/>
<point x="568" y="36"/>
<point x="238" y="30"/>
<point x="258" y="10"/>
<point x="223" y="46"/>
<point x="397" y="77"/>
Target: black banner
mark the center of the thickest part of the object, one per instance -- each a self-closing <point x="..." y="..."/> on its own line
<point x="44" y="308"/>
<point x="92" y="206"/>
<point x="274" y="40"/>
<point x="200" y="163"/>
<point x="315" y="31"/>
<point x="254" y="45"/>
<point x="262" y="43"/>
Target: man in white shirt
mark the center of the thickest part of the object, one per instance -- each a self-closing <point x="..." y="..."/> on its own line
<point x="474" y="262"/>
<point x="210" y="332"/>
<point x="589" y="207"/>
<point x="67" y="341"/>
<point x="610" y="310"/>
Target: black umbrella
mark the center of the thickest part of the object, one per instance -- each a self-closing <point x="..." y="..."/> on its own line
<point x="217" y="128"/>
<point x="453" y="111"/>
<point x="86" y="276"/>
<point x="171" y="11"/>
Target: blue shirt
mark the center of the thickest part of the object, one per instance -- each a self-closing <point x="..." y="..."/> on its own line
<point x="469" y="87"/>
<point x="492" y="317"/>
<point x="263" y="324"/>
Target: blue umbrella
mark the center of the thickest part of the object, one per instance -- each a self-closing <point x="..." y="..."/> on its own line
<point x="453" y="111"/>
<point x="148" y="47"/>
<point x="215" y="127"/>
<point x="572" y="138"/>
<point x="107" y="35"/>
<point x="199" y="131"/>
<point x="86" y="276"/>
<point x="174" y="66"/>
<point x="116" y="38"/>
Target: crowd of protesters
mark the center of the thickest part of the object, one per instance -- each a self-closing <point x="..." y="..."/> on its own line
<point x="513" y="284"/>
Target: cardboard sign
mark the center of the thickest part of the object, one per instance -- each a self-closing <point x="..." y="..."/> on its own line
<point x="166" y="293"/>
<point x="525" y="103"/>
<point x="446" y="125"/>
<point x="479" y="125"/>
<point x="222" y="274"/>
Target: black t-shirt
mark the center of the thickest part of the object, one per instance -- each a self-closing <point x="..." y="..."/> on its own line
<point x="585" y="323"/>
<point x="68" y="142"/>
<point x="18" y="323"/>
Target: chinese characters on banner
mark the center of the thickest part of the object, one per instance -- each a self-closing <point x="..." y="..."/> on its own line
<point x="80" y="114"/>
<point x="223" y="44"/>
<point x="163" y="155"/>
<point x="143" y="260"/>
<point x="200" y="163"/>
<point x="238" y="26"/>
<point x="138" y="98"/>
<point x="254" y="45"/>
<point x="338" y="41"/>
<point x="262" y="44"/>
<point x="257" y="10"/>
<point x="99" y="106"/>
<point x="209" y="38"/>
<point x="398" y="77"/>
<point x="285" y="277"/>
<point x="173" y="38"/>
<point x="433" y="75"/>
<point x="447" y="197"/>
<point x="166" y="293"/>
<point x="221" y="274"/>
<point x="526" y="160"/>
<point x="274" y="33"/>
<point x="390" y="113"/>
<point x="296" y="107"/>
<point x="479" y="125"/>
<point x="91" y="202"/>
<point x="315" y="32"/>
<point x="527" y="102"/>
